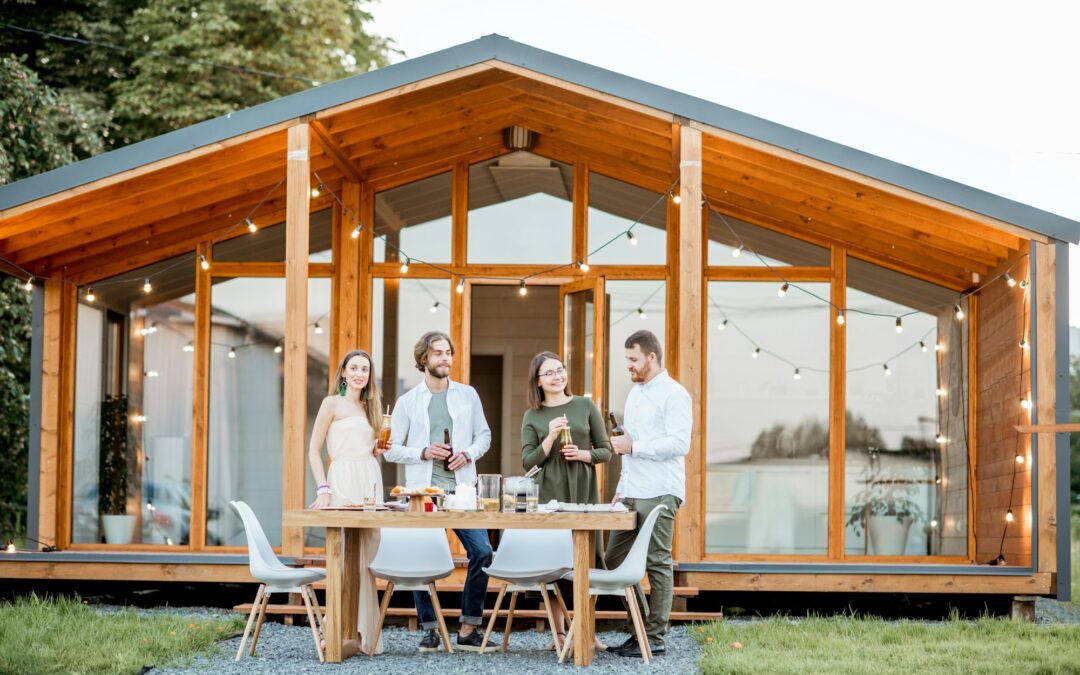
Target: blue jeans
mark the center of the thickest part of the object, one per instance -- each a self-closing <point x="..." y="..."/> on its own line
<point x="476" y="582"/>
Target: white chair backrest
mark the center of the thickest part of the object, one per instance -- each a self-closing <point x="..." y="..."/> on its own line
<point x="408" y="549"/>
<point x="260" y="554"/>
<point x="535" y="550"/>
<point x="634" y="563"/>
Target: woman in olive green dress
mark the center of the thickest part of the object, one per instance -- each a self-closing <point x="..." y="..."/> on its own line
<point x="567" y="472"/>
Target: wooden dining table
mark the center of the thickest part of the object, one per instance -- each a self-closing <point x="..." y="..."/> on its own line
<point x="343" y="528"/>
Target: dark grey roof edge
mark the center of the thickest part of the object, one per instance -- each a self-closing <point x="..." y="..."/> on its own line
<point x="503" y="49"/>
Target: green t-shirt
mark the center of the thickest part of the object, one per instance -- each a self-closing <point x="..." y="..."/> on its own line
<point x="439" y="419"/>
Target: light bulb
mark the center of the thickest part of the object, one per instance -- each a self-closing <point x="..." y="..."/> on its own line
<point x="278" y="348"/>
<point x="434" y="308"/>
<point x="151" y="373"/>
<point x="138" y="418"/>
<point x="522" y="290"/>
<point x="933" y="524"/>
<point x="722" y="325"/>
<point x="146" y="287"/>
<point x="923" y="347"/>
<point x="756" y="352"/>
<point x="1024" y="344"/>
<point x="356" y="231"/>
<point x="1009" y="517"/>
<point x="584" y="265"/>
<point x="1009" y="280"/>
<point x="405" y="266"/>
<point x="840" y="317"/>
<point x="1019" y="459"/>
<point x="315" y="191"/>
<point x="631" y="237"/>
<point x="958" y="312"/>
<point x="203" y="262"/>
<point x="252" y="228"/>
<point x="676" y="198"/>
<point x="1025" y="403"/>
<point x="90" y="297"/>
<point x="797" y="376"/>
<point x="461" y="286"/>
<point x="886" y="367"/>
<point x="189" y="347"/>
<point x="736" y="252"/>
<point x="232" y="352"/>
<point x="641" y="313"/>
<point x="940" y="439"/>
<point x="29" y="285"/>
<point x="939" y="347"/>
<point x="318" y="329"/>
<point x="899" y="325"/>
<point x="783" y="290"/>
<point x="10" y="547"/>
<point x="1023" y="283"/>
<point x="940" y="392"/>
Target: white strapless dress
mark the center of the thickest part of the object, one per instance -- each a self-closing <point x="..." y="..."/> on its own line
<point x="354" y="474"/>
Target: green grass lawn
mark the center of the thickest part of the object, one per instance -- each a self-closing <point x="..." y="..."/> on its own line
<point x="64" y="635"/>
<point x="860" y="645"/>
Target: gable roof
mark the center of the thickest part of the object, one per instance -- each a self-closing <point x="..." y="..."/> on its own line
<point x="498" y="48"/>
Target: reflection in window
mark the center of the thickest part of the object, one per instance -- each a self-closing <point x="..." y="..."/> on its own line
<point x="268" y="243"/>
<point x="733" y="242"/>
<point x="905" y="487"/>
<point x="631" y="306"/>
<point x="415" y="219"/>
<point x="133" y="401"/>
<point x="767" y="450"/>
<point x="520" y="210"/>
<point x="402" y="311"/>
<point x="613" y="208"/>
<point x="246" y="399"/>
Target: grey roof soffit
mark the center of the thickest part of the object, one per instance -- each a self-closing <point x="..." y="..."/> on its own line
<point x="498" y="48"/>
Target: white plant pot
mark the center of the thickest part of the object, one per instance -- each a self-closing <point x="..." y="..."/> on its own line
<point x="118" y="529"/>
<point x="887" y="534"/>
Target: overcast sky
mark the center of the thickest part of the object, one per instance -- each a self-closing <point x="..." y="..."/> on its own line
<point x="984" y="93"/>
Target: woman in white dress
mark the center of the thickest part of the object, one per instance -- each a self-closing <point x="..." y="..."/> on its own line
<point x="347" y="421"/>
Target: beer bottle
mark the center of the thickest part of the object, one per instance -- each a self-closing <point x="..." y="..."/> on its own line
<point x="446" y="442"/>
<point x="616" y="428"/>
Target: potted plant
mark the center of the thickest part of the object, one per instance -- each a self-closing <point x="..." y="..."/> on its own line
<point x="886" y="508"/>
<point x="112" y="471"/>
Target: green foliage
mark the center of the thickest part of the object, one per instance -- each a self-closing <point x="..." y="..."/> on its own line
<point x="861" y="645"/>
<point x="15" y="313"/>
<point x="64" y="635"/>
<point x="1074" y="439"/>
<point x="810" y="438"/>
<point x="115" y="437"/>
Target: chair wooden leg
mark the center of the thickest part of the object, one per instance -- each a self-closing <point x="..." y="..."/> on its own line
<point x="438" y="615"/>
<point x="382" y="617"/>
<point x="639" y="625"/>
<point x="251" y="619"/>
<point x="494" y="617"/>
<point x="568" y="644"/>
<point x="509" y="622"/>
<point x="318" y="609"/>
<point x="312" y="622"/>
<point x="550" y="616"/>
<point x="562" y="604"/>
<point x="259" y="624"/>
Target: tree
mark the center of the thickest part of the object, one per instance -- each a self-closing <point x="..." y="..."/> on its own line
<point x="810" y="438"/>
<point x="14" y="405"/>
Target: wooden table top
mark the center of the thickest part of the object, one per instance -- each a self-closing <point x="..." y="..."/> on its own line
<point x="492" y="520"/>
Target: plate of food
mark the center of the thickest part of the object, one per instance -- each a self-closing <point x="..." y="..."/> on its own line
<point x="402" y="491"/>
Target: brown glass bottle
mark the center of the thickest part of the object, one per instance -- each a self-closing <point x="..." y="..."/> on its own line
<point x="446" y="442"/>
<point x="616" y="428"/>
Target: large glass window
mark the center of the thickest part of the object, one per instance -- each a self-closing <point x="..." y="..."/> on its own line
<point x="133" y="403"/>
<point x="268" y="244"/>
<point x="735" y="243"/>
<point x="631" y="306"/>
<point x="415" y="220"/>
<point x="614" y="206"/>
<point x="767" y="445"/>
<point x="520" y="210"/>
<point x="906" y="461"/>
<point x="246" y="399"/>
<point x="402" y="311"/>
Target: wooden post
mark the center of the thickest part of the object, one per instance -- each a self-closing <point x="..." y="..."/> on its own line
<point x="66" y="409"/>
<point x="1044" y="305"/>
<point x="50" y="412"/>
<point x="347" y="273"/>
<point x="294" y="417"/>
<point x="581" y="212"/>
<point x="459" y="303"/>
<point x="689" y="275"/>
<point x="671" y="299"/>
<point x="200" y="423"/>
<point x="367" y="252"/>
<point x="837" y="414"/>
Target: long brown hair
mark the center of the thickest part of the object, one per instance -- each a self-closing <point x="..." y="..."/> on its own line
<point x="369" y="395"/>
<point x="535" y="394"/>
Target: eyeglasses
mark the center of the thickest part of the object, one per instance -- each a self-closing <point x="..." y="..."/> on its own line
<point x="552" y="373"/>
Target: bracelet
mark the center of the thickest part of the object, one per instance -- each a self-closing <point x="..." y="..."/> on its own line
<point x="324" y="485"/>
<point x="323" y="490"/>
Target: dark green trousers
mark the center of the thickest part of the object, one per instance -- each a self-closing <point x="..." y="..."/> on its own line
<point x="658" y="565"/>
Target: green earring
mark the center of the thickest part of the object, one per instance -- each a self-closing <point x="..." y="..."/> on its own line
<point x="342" y="388"/>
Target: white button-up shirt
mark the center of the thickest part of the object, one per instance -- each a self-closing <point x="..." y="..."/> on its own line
<point x="410" y="432"/>
<point x="658" y="417"/>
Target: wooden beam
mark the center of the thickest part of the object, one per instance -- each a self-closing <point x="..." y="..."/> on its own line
<point x="408" y="170"/>
<point x="1044" y="304"/>
<point x="364" y="278"/>
<point x="837" y="404"/>
<point x="294" y="417"/>
<point x="50" y="412"/>
<point x="671" y="288"/>
<point x="655" y="177"/>
<point x="688" y="274"/>
<point x="534" y="81"/>
<point x="459" y="214"/>
<point x="347" y="277"/>
<point x="1068" y="428"/>
<point x="579" y="247"/>
<point x="334" y="151"/>
<point x="1036" y="584"/>
<point x="823" y="274"/>
<point x="200" y="422"/>
<point x="66" y="423"/>
<point x="563" y="114"/>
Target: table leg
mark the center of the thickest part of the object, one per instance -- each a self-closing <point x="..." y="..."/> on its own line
<point x="334" y="590"/>
<point x="583" y="615"/>
<point x="350" y="592"/>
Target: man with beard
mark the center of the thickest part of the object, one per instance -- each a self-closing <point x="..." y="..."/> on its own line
<point x="657" y="420"/>
<point x="421" y="417"/>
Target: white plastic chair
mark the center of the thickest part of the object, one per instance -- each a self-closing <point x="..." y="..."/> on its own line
<point x="275" y="577"/>
<point x="412" y="560"/>
<point x="621" y="581"/>
<point x="529" y="560"/>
